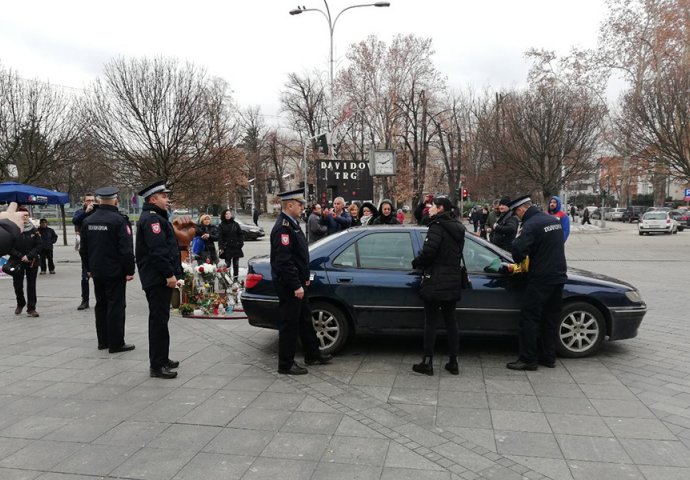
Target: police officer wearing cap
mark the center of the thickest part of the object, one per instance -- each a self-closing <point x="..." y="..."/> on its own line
<point x="107" y="254"/>
<point x="290" y="272"/>
<point x="541" y="239"/>
<point x="158" y="261"/>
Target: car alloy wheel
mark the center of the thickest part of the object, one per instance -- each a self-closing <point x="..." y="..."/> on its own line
<point x="581" y="330"/>
<point x="331" y="326"/>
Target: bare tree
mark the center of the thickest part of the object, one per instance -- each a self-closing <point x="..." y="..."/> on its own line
<point x="38" y="128"/>
<point x="159" y="119"/>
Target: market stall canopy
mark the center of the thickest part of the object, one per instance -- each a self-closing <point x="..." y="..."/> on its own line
<point x="30" y="195"/>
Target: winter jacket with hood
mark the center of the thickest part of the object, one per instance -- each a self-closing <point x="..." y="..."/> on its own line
<point x="230" y="238"/>
<point x="385" y="219"/>
<point x="561" y="215"/>
<point x="440" y="257"/>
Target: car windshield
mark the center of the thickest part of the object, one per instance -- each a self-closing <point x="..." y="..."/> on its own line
<point x="655" y="216"/>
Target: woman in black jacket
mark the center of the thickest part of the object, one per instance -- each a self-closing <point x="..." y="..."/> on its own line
<point x="386" y="215"/>
<point x="230" y="241"/>
<point x="26" y="250"/>
<point x="441" y="281"/>
<point x="209" y="234"/>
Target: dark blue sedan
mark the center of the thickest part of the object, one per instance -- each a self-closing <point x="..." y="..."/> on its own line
<point x="363" y="282"/>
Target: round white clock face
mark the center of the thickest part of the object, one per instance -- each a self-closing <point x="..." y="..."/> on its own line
<point x="384" y="163"/>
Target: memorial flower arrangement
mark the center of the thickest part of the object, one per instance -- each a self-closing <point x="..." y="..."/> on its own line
<point x="207" y="289"/>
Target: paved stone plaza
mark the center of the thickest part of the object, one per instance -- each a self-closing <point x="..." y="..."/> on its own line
<point x="71" y="412"/>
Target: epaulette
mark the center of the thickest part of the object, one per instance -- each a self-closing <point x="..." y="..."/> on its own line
<point x="286" y="223"/>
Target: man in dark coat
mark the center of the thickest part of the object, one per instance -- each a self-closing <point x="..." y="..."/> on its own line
<point x="77" y="219"/>
<point x="339" y="218"/>
<point x="541" y="240"/>
<point x="290" y="273"/>
<point x="48" y="239"/>
<point x="504" y="230"/>
<point x="107" y="252"/>
<point x="158" y="261"/>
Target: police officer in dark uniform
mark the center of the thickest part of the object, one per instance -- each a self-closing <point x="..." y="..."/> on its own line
<point x="158" y="261"/>
<point x="540" y="239"/>
<point x="107" y="254"/>
<point x="290" y="272"/>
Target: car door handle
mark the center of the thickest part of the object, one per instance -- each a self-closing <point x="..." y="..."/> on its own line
<point x="344" y="280"/>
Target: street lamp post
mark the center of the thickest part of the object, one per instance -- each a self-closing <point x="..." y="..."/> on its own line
<point x="251" y="191"/>
<point x="331" y="27"/>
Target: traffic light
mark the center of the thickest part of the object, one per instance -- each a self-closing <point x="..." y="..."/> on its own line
<point x="457" y="193"/>
<point x="464" y="194"/>
<point x="322" y="141"/>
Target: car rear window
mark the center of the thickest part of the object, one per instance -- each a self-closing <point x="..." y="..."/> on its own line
<point x="655" y="216"/>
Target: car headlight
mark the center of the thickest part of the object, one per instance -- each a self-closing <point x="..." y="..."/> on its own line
<point x="634" y="296"/>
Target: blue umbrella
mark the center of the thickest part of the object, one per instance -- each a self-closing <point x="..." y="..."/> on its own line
<point x="28" y="194"/>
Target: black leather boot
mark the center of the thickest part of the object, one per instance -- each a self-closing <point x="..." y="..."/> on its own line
<point x="452" y="365"/>
<point x="426" y="367"/>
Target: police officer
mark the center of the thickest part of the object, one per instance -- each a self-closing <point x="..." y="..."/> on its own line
<point x="290" y="272"/>
<point x="158" y="261"/>
<point x="107" y="254"/>
<point x="540" y="238"/>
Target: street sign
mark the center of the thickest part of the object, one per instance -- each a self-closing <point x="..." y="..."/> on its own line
<point x="687" y="192"/>
<point x="343" y="178"/>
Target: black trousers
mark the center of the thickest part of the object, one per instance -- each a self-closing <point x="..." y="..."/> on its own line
<point x="84" y="284"/>
<point x="540" y="315"/>
<point x="159" y="335"/>
<point x="110" y="311"/>
<point x="47" y="257"/>
<point x="431" y="310"/>
<point x="18" y="282"/>
<point x="295" y="321"/>
<point x="235" y="266"/>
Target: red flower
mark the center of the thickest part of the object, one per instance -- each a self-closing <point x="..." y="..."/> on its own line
<point x="201" y="269"/>
<point x="208" y="260"/>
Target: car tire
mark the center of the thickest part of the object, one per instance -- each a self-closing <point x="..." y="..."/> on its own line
<point x="641" y="233"/>
<point x="581" y="330"/>
<point x="331" y="325"/>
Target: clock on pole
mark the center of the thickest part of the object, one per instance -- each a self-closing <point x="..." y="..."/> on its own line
<point x="382" y="162"/>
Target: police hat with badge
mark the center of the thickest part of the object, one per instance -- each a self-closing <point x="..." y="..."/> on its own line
<point x="158" y="186"/>
<point x="293" y="195"/>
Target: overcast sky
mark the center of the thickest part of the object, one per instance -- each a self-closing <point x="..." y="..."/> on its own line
<point x="254" y="44"/>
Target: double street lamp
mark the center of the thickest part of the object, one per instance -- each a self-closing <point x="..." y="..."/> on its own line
<point x="331" y="27"/>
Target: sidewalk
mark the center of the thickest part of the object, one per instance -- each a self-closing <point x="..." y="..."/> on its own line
<point x="71" y="412"/>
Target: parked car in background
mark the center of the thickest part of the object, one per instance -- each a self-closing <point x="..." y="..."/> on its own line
<point x="632" y="213"/>
<point x="657" y="222"/>
<point x="363" y="283"/>
<point x="596" y="214"/>
<point x="614" y="214"/>
<point x="682" y="217"/>
<point x="251" y="232"/>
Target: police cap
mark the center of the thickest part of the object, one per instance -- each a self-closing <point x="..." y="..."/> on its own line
<point x="519" y="201"/>
<point x="107" y="193"/>
<point x="156" y="187"/>
<point x="297" y="195"/>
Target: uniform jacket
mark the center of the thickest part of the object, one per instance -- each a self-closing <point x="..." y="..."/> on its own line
<point x="316" y="228"/>
<point x="29" y="244"/>
<point x="504" y="230"/>
<point x="440" y="257"/>
<point x="230" y="238"/>
<point x="48" y="238"/>
<point x="157" y="253"/>
<point x="562" y="216"/>
<point x="541" y="239"/>
<point x="289" y="253"/>
<point x="106" y="248"/>
<point x="9" y="233"/>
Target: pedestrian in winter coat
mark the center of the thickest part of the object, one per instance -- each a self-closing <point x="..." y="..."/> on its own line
<point x="209" y="234"/>
<point x="441" y="281"/>
<point x="504" y="230"/>
<point x="230" y="241"/>
<point x="474" y="219"/>
<point x="386" y="216"/>
<point x="483" y="217"/>
<point x="354" y="213"/>
<point x="369" y="212"/>
<point x="48" y="239"/>
<point x="585" y="216"/>
<point x="316" y="224"/>
<point x="556" y="211"/>
<point x="26" y="251"/>
<point x="338" y="218"/>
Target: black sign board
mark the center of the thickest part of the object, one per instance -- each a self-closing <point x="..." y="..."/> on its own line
<point x="343" y="178"/>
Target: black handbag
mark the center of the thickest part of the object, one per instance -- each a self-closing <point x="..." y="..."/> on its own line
<point x="12" y="266"/>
